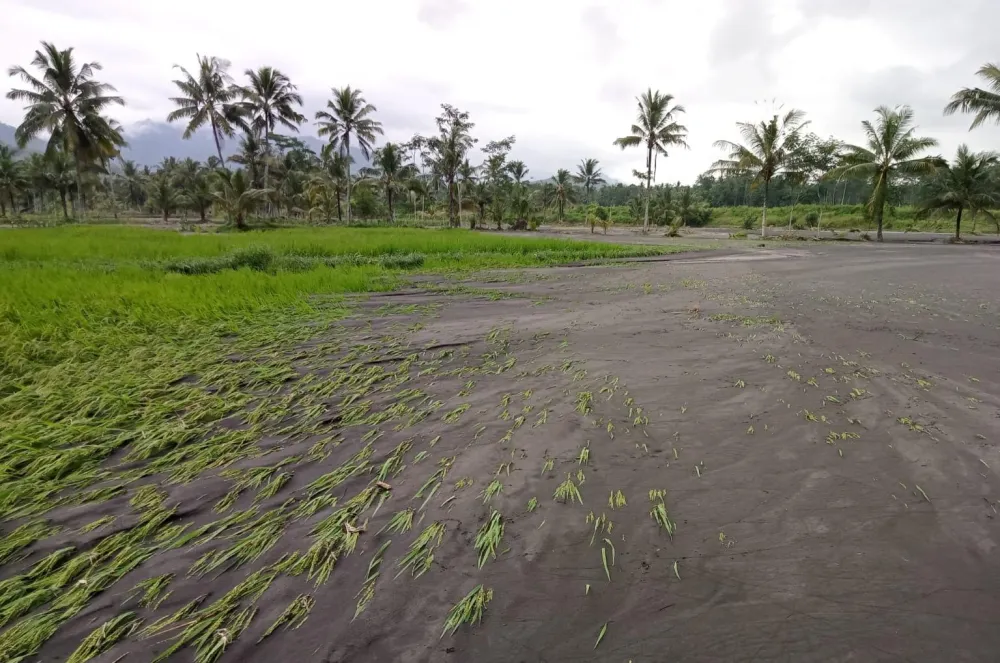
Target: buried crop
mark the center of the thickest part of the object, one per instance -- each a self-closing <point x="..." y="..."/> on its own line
<point x="132" y="345"/>
<point x="488" y="538"/>
<point x="469" y="610"/>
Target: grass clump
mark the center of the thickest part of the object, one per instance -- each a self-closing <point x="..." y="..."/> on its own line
<point x="568" y="491"/>
<point x="105" y="637"/>
<point x="488" y="538"/>
<point x="658" y="512"/>
<point x="420" y="556"/>
<point x="469" y="610"/>
<point x="293" y="616"/>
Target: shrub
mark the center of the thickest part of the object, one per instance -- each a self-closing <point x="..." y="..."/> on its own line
<point x="404" y="261"/>
<point x="749" y="221"/>
<point x="812" y="219"/>
<point x="533" y="224"/>
<point x="257" y="258"/>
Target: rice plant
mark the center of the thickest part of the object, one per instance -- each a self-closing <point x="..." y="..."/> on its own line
<point x="492" y="490"/>
<point x="532" y="504"/>
<point x="420" y="556"/>
<point x="601" y="634"/>
<point x="584" y="456"/>
<point x="367" y="592"/>
<point x="617" y="500"/>
<point x="469" y="610"/>
<point x="153" y="591"/>
<point x="658" y="512"/>
<point x="567" y="491"/>
<point x="104" y="637"/>
<point x="547" y="465"/>
<point x="293" y="616"/>
<point x="488" y="538"/>
<point x="455" y="415"/>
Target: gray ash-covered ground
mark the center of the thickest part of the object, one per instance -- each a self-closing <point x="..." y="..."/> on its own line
<point x="819" y="425"/>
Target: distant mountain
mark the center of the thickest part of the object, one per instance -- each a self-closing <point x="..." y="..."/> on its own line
<point x="149" y="142"/>
<point x="7" y="137"/>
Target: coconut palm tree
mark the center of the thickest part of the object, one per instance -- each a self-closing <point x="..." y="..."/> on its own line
<point x="390" y="170"/>
<point x="333" y="174"/>
<point x="163" y="195"/>
<point x="588" y="175"/>
<point x="518" y="171"/>
<point x="134" y="183"/>
<point x="481" y="197"/>
<point x="209" y="96"/>
<point x="38" y="180"/>
<point x="890" y="152"/>
<point x="199" y="193"/>
<point x="12" y="178"/>
<point x="465" y="177"/>
<point x="67" y="103"/>
<point x="984" y="103"/>
<point x="60" y="173"/>
<point x="251" y="156"/>
<point x="966" y="185"/>
<point x="416" y="146"/>
<point x="236" y="196"/>
<point x="418" y="188"/>
<point x="770" y="148"/>
<point x="269" y="101"/>
<point x="563" y="191"/>
<point x="448" y="150"/>
<point x="349" y="114"/>
<point x="656" y="129"/>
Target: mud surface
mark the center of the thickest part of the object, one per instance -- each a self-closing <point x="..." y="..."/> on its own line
<point x="822" y="421"/>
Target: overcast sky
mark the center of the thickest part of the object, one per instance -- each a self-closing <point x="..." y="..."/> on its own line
<point x="562" y="75"/>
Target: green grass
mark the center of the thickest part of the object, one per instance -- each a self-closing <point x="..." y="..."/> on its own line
<point x="440" y="247"/>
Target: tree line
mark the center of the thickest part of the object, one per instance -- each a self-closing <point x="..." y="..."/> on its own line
<point x="272" y="173"/>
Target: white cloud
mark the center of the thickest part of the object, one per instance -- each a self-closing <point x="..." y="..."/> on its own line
<point x="560" y="74"/>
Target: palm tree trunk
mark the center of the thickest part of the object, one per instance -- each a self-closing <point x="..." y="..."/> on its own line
<point x="649" y="182"/>
<point x="586" y="211"/>
<point x="388" y="195"/>
<point x="763" y="217"/>
<point x="79" y="184"/>
<point x="62" y="196"/>
<point x="347" y="156"/>
<point x="459" y="203"/>
<point x="452" y="216"/>
<point x="215" y="135"/>
<point x="958" y="223"/>
<point x="267" y="169"/>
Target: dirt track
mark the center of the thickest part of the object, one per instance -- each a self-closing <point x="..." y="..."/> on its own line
<point x="823" y="421"/>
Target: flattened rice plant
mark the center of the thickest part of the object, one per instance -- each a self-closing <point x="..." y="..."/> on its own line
<point x="469" y="610"/>
<point x="488" y="538"/>
<point x="567" y="491"/>
<point x="420" y="556"/>
<point x="293" y="617"/>
<point x="658" y="512"/>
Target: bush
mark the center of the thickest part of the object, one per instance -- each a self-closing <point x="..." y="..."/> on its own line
<point x="404" y="261"/>
<point x="533" y="224"/>
<point x="257" y="258"/>
<point x="812" y="219"/>
<point x="749" y="221"/>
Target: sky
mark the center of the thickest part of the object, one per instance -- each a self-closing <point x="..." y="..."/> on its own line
<point x="560" y="75"/>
